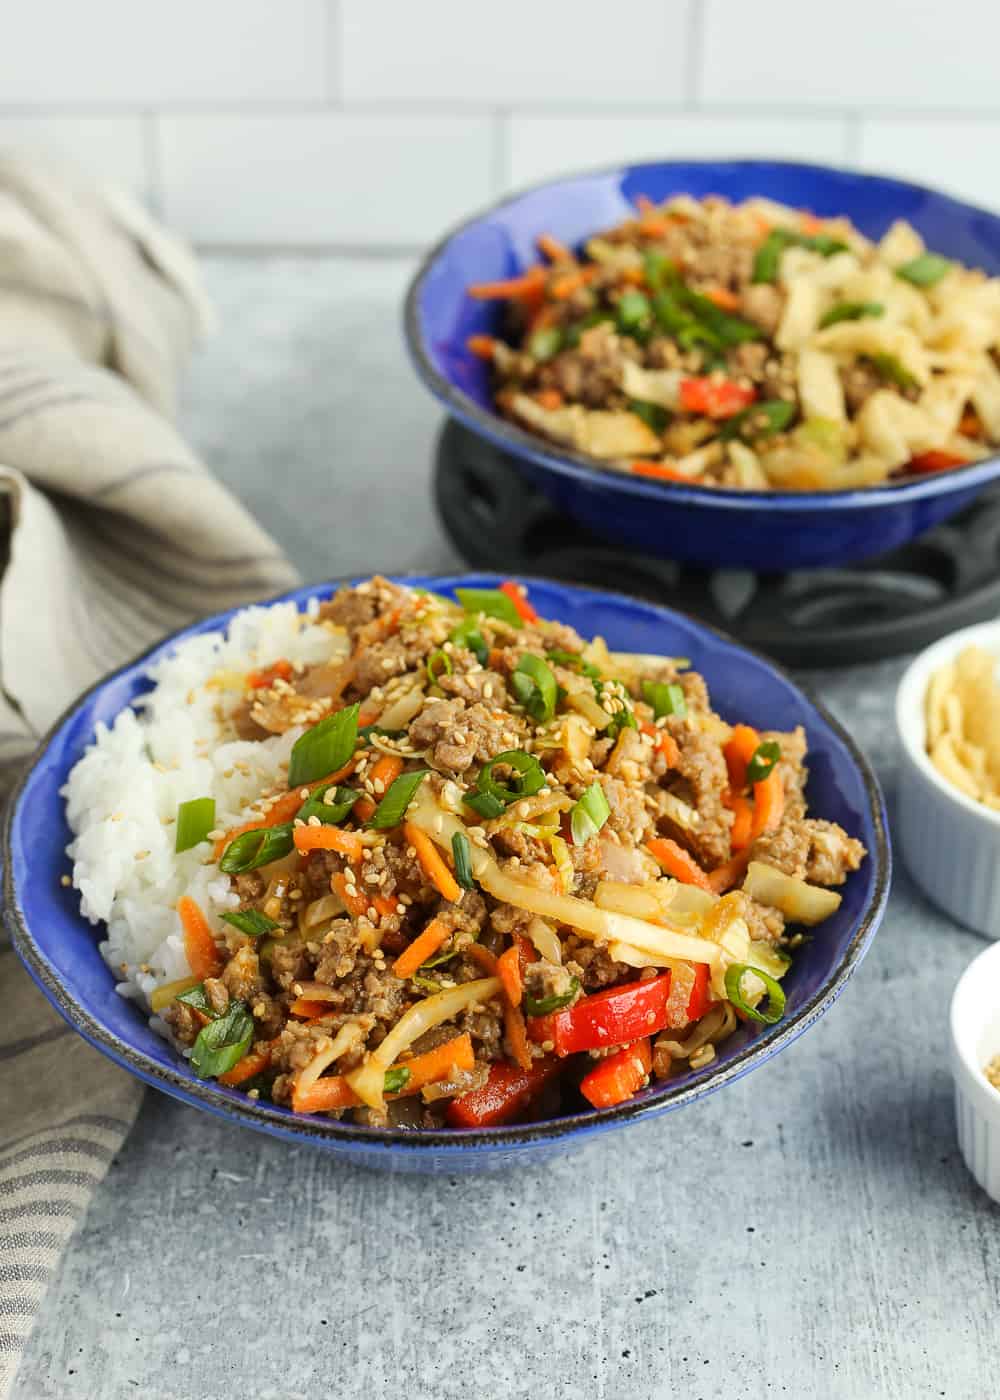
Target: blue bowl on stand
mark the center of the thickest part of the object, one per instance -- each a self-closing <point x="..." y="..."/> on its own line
<point x="770" y="531"/>
<point x="59" y="947"/>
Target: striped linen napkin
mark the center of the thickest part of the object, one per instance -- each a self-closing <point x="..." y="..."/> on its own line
<point x="111" y="533"/>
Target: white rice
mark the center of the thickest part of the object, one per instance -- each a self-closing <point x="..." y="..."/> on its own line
<point x="174" y="744"/>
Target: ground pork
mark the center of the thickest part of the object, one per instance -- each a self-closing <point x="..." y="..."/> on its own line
<point x="593" y="965"/>
<point x="765" y="925"/>
<point x="473" y="686"/>
<point x="630" y="816"/>
<point x="458" y="736"/>
<point x="818" y="851"/>
<point x="354" y="608"/>
<point x="384" y="660"/>
<point x="703" y="777"/>
<point x="241" y="975"/>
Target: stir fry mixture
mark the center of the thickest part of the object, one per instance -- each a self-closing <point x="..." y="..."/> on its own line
<point x="751" y="346"/>
<point x="510" y="873"/>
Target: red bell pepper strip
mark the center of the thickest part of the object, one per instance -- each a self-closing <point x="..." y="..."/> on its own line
<point x="619" y="1076"/>
<point x="700" y="1000"/>
<point x="507" y="1093"/>
<point x="715" y="398"/>
<point x="935" y="461"/>
<point x="616" y="1016"/>
<point x="524" y="609"/>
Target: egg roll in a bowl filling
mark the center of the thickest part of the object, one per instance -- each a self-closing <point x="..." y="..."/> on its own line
<point x="434" y="862"/>
<point x="752" y="347"/>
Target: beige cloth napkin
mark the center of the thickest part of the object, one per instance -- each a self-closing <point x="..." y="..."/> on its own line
<point x="113" y="533"/>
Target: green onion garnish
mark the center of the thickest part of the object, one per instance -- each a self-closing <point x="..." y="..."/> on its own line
<point x="330" y="803"/>
<point x="462" y="854"/>
<point x="256" y="848"/>
<point x="535" y="687"/>
<point x="634" y="311"/>
<point x="528" y="777"/>
<point x="666" y="698"/>
<point x="367" y="730"/>
<point x="658" y="268"/>
<point x="195" y="819"/>
<point x="687" y="330"/>
<point x="729" y="329"/>
<point x="543" y="344"/>
<point x="195" y="998"/>
<point x="325" y="748"/>
<point x="850" y="311"/>
<point x="544" y="1006"/>
<point x="924" y="270"/>
<point x="765" y="756"/>
<point x="654" y="415"/>
<point x="396" y="1079"/>
<point x="250" y="921"/>
<point x="588" y="815"/>
<point x="759" y="420"/>
<point x="223" y="1042"/>
<point x="768" y="257"/>
<point x="485" y="804"/>
<point x="775" y="994"/>
<point x="468" y="635"/>
<point x="489" y="602"/>
<point x="439" y="664"/>
<point x="891" y="368"/>
<point x="573" y="661"/>
<point x="392" y="809"/>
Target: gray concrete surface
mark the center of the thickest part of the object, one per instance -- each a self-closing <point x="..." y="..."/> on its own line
<point x="809" y="1232"/>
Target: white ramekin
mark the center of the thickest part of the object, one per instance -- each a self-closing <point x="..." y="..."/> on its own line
<point x="975" y="1039"/>
<point x="951" y="844"/>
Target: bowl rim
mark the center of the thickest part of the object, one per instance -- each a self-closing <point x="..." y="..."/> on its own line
<point x="520" y="443"/>
<point x="420" y="1142"/>
<point x="910" y="696"/>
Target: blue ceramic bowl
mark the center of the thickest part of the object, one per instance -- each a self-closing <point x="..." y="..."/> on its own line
<point x="770" y="531"/>
<point x="59" y="947"/>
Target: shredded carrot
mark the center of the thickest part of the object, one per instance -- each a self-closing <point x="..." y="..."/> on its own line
<point x="654" y="227"/>
<point x="971" y="426"/>
<point x="308" y="1009"/>
<point x="553" y="249"/>
<point x="443" y="1062"/>
<point x="517" y="595"/>
<point x="544" y="316"/>
<point x="359" y="904"/>
<point x="517" y="1035"/>
<point x="329" y="838"/>
<point x="549" y="398"/>
<point x="483" y="957"/>
<point x="658" y="470"/>
<point x="385" y="770"/>
<point x="566" y="286"/>
<point x="677" y="862"/>
<point x="528" y="285"/>
<point x="724" y="877"/>
<point x="768" y="804"/>
<point x="252" y="1063"/>
<point x="633" y="276"/>
<point x="204" y="958"/>
<point x="644" y="204"/>
<point x="509" y="972"/>
<point x="742" y="811"/>
<point x="265" y="678"/>
<point x="666" y="744"/>
<point x="810" y="223"/>
<point x="724" y="298"/>
<point x="482" y="346"/>
<point x="738" y="750"/>
<point x="432" y="864"/>
<point x="424" y="946"/>
<point x="284" y="808"/>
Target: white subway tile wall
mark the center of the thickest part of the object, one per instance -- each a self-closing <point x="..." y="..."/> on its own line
<point x="333" y="123"/>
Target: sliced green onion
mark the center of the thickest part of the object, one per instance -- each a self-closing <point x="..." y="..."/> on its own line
<point x="250" y="921"/>
<point x="528" y="777"/>
<point x="924" y="270"/>
<point x="544" y="1006"/>
<point x="573" y="661"/>
<point x="367" y="730"/>
<point x="666" y="698"/>
<point x="426" y="984"/>
<point x="489" y="602"/>
<point x="325" y="748"/>
<point x="462" y="854"/>
<point x="543" y="344"/>
<point x="485" y="804"/>
<point x="891" y="368"/>
<point x="588" y="815"/>
<point x="468" y="635"/>
<point x="654" y="415"/>
<point x="759" y="420"/>
<point x="535" y="687"/>
<point x="195" y="819"/>
<point x="330" y="803"/>
<point x="775" y="995"/>
<point x="765" y="756"/>
<point x="850" y="311"/>
<point x="223" y="1042"/>
<point x="768" y="257"/>
<point x="439" y="663"/>
<point x="446" y="955"/>
<point x="678" y="321"/>
<point x="256" y="848"/>
<point x="195" y="998"/>
<point x="730" y="330"/>
<point x="392" y="809"/>
<point x="634" y="311"/>
<point x="396" y="1079"/>
<point x="658" y="268"/>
